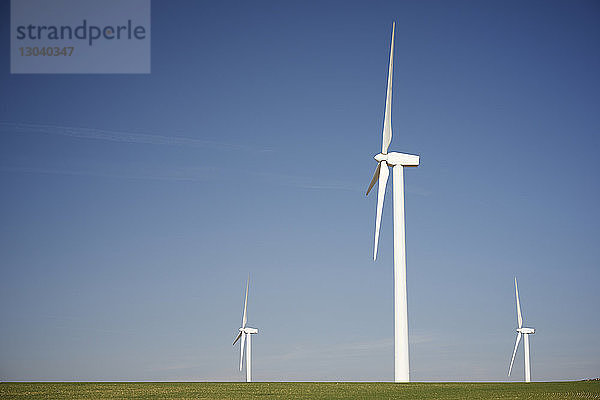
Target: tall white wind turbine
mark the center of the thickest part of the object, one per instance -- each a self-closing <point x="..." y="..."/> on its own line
<point x="397" y="161"/>
<point x="246" y="335"/>
<point x="525" y="332"/>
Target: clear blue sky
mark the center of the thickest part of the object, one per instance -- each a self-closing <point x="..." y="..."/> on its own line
<point x="133" y="207"/>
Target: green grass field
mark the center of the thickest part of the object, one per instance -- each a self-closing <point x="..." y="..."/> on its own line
<point x="554" y="390"/>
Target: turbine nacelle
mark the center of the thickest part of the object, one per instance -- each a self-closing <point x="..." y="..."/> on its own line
<point x="393" y="158"/>
<point x="526" y="331"/>
<point x="248" y="330"/>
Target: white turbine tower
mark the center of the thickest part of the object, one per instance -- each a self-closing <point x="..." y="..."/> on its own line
<point x="246" y="335"/>
<point x="397" y="161"/>
<point x="525" y="332"/>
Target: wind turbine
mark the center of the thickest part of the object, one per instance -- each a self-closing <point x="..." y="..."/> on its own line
<point x="397" y="161"/>
<point x="246" y="332"/>
<point x="525" y="332"/>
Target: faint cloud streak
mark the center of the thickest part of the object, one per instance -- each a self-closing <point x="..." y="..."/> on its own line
<point x="123" y="136"/>
<point x="182" y="175"/>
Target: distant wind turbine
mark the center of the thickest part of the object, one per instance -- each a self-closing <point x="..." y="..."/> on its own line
<point x="246" y="332"/>
<point x="525" y="332"/>
<point x="397" y="161"/>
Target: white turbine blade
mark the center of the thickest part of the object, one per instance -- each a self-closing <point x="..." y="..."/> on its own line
<point x="375" y="177"/>
<point x="237" y="338"/>
<point x="245" y="317"/>
<point x="387" y="121"/>
<point x="519" y="318"/>
<point x="242" y="348"/>
<point x="384" y="174"/>
<point x="512" y="360"/>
